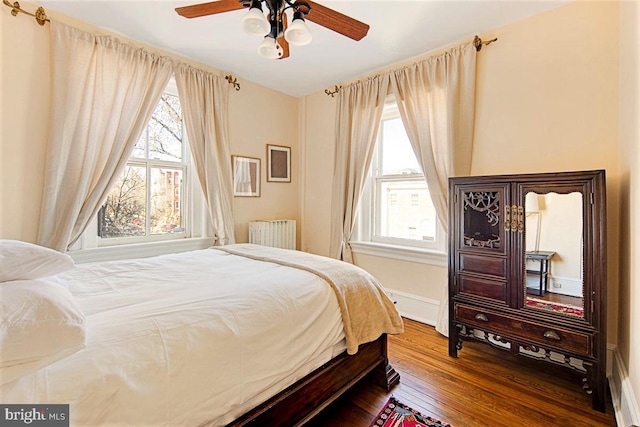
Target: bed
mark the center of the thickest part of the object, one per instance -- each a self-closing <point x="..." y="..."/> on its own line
<point x="235" y="335"/>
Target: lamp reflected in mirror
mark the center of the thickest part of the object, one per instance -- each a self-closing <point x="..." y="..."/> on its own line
<point x="532" y="212"/>
<point x="554" y="252"/>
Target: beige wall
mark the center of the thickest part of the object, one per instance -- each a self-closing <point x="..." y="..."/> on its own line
<point x="259" y="116"/>
<point x="318" y="118"/>
<point x="629" y="298"/>
<point x="547" y="100"/>
<point x="24" y="94"/>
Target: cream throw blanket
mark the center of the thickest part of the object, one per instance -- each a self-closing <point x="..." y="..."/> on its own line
<point x="367" y="311"/>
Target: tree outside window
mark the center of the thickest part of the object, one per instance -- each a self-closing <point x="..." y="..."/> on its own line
<point x="148" y="197"/>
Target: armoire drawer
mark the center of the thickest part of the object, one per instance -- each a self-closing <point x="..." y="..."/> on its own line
<point x="495" y="266"/>
<point x="513" y="326"/>
<point x="479" y="286"/>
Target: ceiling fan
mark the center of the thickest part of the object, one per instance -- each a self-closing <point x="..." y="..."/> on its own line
<point x="274" y="28"/>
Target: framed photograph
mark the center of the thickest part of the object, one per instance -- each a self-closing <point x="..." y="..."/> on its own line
<point x="246" y="176"/>
<point x="278" y="163"/>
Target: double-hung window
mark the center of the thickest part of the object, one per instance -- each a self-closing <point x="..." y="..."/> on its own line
<point x="396" y="209"/>
<point x="148" y="200"/>
<point x="156" y="200"/>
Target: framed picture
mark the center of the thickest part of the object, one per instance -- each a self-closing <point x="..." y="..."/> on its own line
<point x="246" y="176"/>
<point x="278" y="163"/>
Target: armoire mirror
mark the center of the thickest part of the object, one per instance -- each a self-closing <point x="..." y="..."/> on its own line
<point x="554" y="255"/>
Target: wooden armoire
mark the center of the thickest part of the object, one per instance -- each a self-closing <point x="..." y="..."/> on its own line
<point x="527" y="269"/>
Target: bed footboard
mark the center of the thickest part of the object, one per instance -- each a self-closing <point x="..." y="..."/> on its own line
<point x="301" y="401"/>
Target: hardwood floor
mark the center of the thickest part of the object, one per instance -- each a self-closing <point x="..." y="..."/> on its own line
<point x="482" y="387"/>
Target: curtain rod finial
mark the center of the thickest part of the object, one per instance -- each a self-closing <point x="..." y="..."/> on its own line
<point x="332" y="92"/>
<point x="233" y="81"/>
<point x="40" y="15"/>
<point x="478" y="42"/>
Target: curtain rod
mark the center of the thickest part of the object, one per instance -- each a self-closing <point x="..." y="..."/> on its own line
<point x="477" y="43"/>
<point x="41" y="17"/>
<point x="40" y="14"/>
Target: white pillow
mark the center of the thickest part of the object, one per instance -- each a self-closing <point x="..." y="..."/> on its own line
<point x="23" y="261"/>
<point x="40" y="323"/>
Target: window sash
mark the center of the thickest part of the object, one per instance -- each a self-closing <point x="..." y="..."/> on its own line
<point x="378" y="216"/>
<point x="370" y="208"/>
<point x="150" y="164"/>
<point x="195" y="214"/>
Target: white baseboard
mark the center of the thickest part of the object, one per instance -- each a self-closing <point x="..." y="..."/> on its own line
<point x="625" y="404"/>
<point x="414" y="307"/>
<point x="565" y="286"/>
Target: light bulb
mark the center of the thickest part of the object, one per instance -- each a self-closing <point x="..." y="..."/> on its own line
<point x="270" y="48"/>
<point x="298" y="33"/>
<point x="255" y="23"/>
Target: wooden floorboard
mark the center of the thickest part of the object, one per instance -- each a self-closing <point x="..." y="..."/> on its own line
<point x="484" y="386"/>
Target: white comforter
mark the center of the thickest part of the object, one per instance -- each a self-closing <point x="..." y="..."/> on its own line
<point x="186" y="338"/>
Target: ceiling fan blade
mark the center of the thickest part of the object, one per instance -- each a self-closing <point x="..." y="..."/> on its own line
<point x="211" y="8"/>
<point x="336" y="21"/>
<point x="283" y="42"/>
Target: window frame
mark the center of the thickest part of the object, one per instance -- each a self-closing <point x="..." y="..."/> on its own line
<point x="194" y="216"/>
<point x="149" y="164"/>
<point x="366" y="238"/>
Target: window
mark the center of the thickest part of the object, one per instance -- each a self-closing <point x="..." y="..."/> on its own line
<point x="148" y="200"/>
<point x="396" y="208"/>
<point x="157" y="200"/>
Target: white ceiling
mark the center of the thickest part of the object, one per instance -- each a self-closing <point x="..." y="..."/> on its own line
<point x="400" y="29"/>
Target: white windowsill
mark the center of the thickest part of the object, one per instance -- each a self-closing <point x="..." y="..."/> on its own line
<point x="139" y="250"/>
<point x="402" y="253"/>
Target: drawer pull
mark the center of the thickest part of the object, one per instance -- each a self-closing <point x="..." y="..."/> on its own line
<point x="552" y="335"/>
<point x="482" y="317"/>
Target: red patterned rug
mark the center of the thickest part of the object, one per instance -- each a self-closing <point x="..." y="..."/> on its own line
<point x="397" y="414"/>
<point x="556" y="306"/>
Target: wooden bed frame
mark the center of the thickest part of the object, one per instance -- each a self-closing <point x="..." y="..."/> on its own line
<point x="300" y="402"/>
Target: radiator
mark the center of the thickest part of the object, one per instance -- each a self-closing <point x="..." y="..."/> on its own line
<point x="279" y="233"/>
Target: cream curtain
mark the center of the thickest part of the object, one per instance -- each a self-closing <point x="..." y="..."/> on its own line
<point x="103" y="94"/>
<point x="204" y="100"/>
<point x="360" y="107"/>
<point x="436" y="100"/>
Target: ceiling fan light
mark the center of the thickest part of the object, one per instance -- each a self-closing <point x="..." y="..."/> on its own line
<point x="298" y="33"/>
<point x="255" y="23"/>
<point x="270" y="48"/>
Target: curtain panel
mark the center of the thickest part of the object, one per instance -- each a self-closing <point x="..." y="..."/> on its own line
<point x="103" y="94"/>
<point x="436" y="100"/>
<point x="358" y="115"/>
<point x="204" y="100"/>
